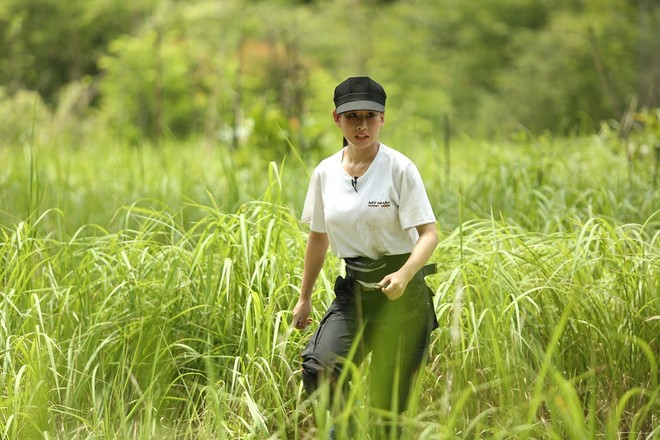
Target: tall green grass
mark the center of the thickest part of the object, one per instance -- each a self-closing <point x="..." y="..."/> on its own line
<point x="551" y="330"/>
<point x="148" y="294"/>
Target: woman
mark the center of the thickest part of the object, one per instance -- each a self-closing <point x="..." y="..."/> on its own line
<point x="367" y="203"/>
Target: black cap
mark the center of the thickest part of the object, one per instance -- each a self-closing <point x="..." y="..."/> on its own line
<point x="359" y="93"/>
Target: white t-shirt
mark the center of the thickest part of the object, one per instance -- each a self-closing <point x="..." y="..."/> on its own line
<point x="376" y="220"/>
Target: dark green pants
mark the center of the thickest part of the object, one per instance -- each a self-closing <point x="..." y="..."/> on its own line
<point x="396" y="333"/>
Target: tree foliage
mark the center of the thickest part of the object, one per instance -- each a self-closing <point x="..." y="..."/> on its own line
<point x="265" y="69"/>
<point x="47" y="43"/>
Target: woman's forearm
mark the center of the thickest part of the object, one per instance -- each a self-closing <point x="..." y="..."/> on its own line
<point x="317" y="248"/>
<point x="423" y="249"/>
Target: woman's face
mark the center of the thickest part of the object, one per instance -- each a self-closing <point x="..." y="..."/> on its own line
<point x="361" y="128"/>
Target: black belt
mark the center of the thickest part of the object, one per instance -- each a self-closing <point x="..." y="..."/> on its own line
<point x="372" y="271"/>
<point x="428" y="269"/>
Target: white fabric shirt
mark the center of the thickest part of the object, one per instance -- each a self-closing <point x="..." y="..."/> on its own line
<point x="380" y="218"/>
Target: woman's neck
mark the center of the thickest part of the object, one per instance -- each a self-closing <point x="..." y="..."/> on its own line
<point x="356" y="161"/>
<point x="360" y="156"/>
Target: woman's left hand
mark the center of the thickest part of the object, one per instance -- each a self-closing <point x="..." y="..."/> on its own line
<point x="393" y="285"/>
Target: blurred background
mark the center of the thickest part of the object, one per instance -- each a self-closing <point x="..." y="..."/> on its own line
<point x="154" y="156"/>
<point x="262" y="71"/>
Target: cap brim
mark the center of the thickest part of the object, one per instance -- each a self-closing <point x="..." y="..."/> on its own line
<point x="360" y="105"/>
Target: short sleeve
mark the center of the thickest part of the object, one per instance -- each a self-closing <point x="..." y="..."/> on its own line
<point x="313" y="212"/>
<point x="414" y="206"/>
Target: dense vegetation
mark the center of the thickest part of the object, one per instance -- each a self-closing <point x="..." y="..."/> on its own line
<point x="155" y="155"/>
<point x="227" y="70"/>
<point x="146" y="294"/>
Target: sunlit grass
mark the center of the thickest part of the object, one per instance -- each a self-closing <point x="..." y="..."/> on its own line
<point x="158" y="306"/>
<point x="552" y="327"/>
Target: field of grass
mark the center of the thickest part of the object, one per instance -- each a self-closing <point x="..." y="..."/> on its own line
<point x="145" y="293"/>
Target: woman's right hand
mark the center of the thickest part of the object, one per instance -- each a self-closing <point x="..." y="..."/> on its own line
<point x="301" y="313"/>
